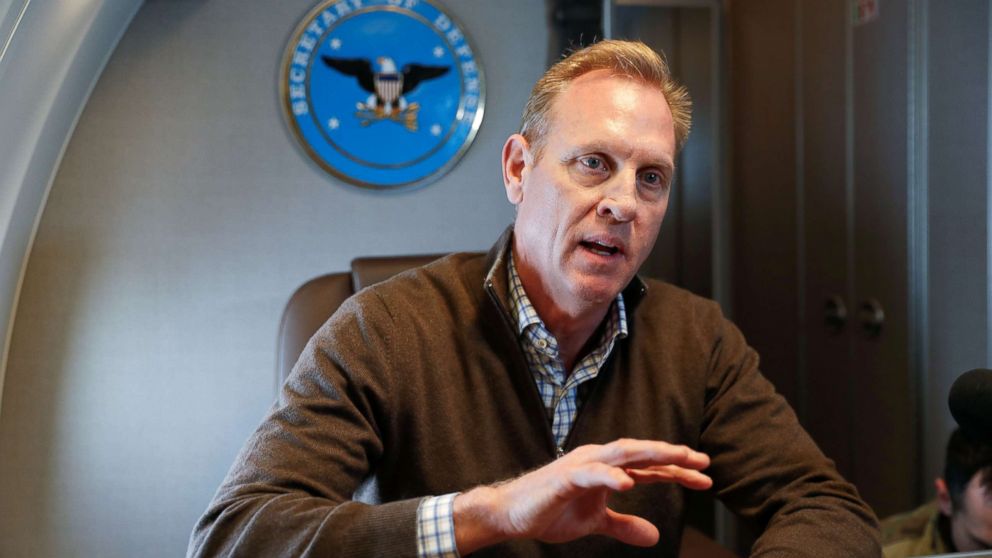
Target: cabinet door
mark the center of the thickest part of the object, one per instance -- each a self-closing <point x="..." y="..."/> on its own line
<point x="820" y="190"/>
<point x="763" y="195"/>
<point x="825" y="206"/>
<point x="885" y="450"/>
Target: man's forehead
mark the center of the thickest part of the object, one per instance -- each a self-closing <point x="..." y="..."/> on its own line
<point x="595" y="94"/>
<point x="981" y="481"/>
<point x="978" y="497"/>
<point x="596" y="81"/>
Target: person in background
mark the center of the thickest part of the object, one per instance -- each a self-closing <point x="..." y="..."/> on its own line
<point x="960" y="519"/>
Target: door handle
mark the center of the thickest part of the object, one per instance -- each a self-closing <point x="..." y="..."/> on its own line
<point x="872" y="317"/>
<point x="834" y="314"/>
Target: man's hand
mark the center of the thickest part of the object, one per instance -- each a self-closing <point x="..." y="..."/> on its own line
<point x="566" y="499"/>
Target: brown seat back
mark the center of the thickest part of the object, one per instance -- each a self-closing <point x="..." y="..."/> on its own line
<point x="369" y="271"/>
<point x="308" y="308"/>
<point x="317" y="299"/>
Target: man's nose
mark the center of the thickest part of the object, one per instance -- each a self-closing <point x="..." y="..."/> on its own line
<point x="619" y="201"/>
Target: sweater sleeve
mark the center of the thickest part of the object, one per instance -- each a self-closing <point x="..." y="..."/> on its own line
<point x="768" y="470"/>
<point x="290" y="491"/>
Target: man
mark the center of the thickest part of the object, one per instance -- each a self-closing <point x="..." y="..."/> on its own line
<point x="960" y="519"/>
<point x="541" y="400"/>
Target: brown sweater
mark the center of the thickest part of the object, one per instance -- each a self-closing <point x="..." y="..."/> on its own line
<point x="418" y="387"/>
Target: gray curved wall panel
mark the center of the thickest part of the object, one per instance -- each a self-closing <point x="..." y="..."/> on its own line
<point x="51" y="54"/>
<point x="180" y="220"/>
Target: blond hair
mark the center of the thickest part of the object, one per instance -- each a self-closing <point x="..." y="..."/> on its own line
<point x="630" y="59"/>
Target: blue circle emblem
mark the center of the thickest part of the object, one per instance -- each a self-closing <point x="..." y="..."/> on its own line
<point x="382" y="93"/>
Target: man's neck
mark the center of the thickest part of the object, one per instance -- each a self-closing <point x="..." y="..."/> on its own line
<point x="573" y="332"/>
<point x="573" y="326"/>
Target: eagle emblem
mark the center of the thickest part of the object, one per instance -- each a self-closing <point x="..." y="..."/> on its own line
<point x="382" y="93"/>
<point x="387" y="87"/>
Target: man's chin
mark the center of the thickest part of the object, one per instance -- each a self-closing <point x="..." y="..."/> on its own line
<point x="599" y="290"/>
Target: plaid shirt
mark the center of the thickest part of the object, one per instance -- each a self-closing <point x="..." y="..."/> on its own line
<point x="559" y="390"/>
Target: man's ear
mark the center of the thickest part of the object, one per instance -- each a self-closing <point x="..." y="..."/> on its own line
<point x="516" y="162"/>
<point x="943" y="497"/>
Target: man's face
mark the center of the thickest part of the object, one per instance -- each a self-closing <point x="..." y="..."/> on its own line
<point x="589" y="209"/>
<point x="971" y="526"/>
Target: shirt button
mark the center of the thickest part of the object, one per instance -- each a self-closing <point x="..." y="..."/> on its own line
<point x="542" y="344"/>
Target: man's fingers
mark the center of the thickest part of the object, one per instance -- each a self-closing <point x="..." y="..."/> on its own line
<point x="598" y="475"/>
<point x="626" y="452"/>
<point x="629" y="529"/>
<point x="688" y="478"/>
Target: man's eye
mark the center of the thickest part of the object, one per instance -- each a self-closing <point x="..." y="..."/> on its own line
<point x="593" y="163"/>
<point x="653" y="179"/>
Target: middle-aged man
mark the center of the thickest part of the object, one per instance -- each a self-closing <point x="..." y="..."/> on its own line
<point x="541" y="400"/>
<point x="960" y="519"/>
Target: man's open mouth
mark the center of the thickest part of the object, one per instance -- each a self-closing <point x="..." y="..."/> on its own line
<point x="599" y="248"/>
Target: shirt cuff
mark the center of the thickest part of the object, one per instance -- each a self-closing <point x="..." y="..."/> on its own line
<point x="436" y="527"/>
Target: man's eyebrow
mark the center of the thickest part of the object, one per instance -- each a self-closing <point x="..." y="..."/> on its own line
<point x="596" y="147"/>
<point x="583" y="149"/>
